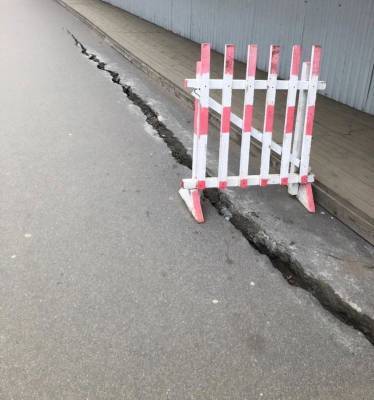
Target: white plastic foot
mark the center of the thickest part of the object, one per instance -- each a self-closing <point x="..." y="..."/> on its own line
<point x="193" y="203"/>
<point x="305" y="196"/>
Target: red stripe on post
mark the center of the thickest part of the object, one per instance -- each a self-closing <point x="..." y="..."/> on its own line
<point x="304" y="179"/>
<point x="290" y="117"/>
<point x="201" y="185"/>
<point x="316" y="60"/>
<point x="229" y="57"/>
<point x="205" y="58"/>
<point x="296" y="57"/>
<point x="274" y="58"/>
<point x="222" y="185"/>
<point x="247" y="121"/>
<point x="264" y="182"/>
<point x="269" y="118"/>
<point x="284" y="181"/>
<point x="243" y="183"/>
<point x="251" y="60"/>
<point x="309" y="120"/>
<point x="225" y="122"/>
<point x="204" y="121"/>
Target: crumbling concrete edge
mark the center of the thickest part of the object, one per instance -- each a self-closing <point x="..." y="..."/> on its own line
<point x="289" y="265"/>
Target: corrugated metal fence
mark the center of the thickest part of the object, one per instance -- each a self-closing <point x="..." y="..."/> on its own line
<point x="344" y="29"/>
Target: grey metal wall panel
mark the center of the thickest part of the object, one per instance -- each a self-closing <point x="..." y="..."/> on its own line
<point x="344" y="28"/>
<point x="181" y="17"/>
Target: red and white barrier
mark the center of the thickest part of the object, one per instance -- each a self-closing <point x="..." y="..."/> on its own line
<point x="296" y="146"/>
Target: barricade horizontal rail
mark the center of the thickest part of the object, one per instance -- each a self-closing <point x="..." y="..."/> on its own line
<point x="295" y="149"/>
<point x="241" y="84"/>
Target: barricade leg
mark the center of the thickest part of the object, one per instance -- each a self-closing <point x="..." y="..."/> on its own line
<point x="193" y="202"/>
<point x="303" y="192"/>
<point x="305" y="189"/>
<point x="305" y="196"/>
<point x="192" y="196"/>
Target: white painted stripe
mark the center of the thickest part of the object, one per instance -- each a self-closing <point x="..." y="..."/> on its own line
<point x="290" y="109"/>
<point x="195" y="132"/>
<point x="195" y="154"/>
<point x="247" y="108"/>
<point x="269" y="116"/>
<point x="224" y="142"/>
<point x="201" y="160"/>
<point x="223" y="156"/>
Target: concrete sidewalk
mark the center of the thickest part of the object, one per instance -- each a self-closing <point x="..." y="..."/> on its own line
<point x="318" y="252"/>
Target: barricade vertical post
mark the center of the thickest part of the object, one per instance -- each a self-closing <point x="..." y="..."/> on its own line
<point x="203" y="122"/>
<point x="305" y="194"/>
<point x="228" y="72"/>
<point x="309" y="116"/>
<point x="195" y="126"/>
<point x="293" y="188"/>
<point x="290" y="114"/>
<point x="269" y="114"/>
<point x="247" y="114"/>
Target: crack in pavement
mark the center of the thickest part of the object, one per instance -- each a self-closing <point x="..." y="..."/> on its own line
<point x="289" y="267"/>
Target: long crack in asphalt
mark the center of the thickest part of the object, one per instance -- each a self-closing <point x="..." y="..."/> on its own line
<point x="290" y="268"/>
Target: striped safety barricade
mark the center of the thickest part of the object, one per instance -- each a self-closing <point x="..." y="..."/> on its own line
<point x="297" y="136"/>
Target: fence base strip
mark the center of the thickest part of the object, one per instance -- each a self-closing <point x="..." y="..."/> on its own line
<point x="237" y="181"/>
<point x="240" y="84"/>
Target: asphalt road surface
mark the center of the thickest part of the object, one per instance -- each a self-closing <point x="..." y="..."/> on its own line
<point x="108" y="288"/>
